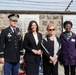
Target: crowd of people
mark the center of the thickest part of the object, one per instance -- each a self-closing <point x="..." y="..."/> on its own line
<point x="51" y="48"/>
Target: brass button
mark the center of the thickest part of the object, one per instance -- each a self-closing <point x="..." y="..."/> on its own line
<point x="16" y="47"/>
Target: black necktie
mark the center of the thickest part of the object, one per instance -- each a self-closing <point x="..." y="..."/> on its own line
<point x="14" y="30"/>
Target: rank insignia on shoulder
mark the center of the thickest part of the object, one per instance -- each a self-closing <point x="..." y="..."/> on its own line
<point x="18" y="33"/>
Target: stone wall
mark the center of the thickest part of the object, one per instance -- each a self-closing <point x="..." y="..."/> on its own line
<point x="3" y="21"/>
<point x="44" y="19"/>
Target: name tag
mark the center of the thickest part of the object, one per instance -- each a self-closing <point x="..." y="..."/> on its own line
<point x="73" y="40"/>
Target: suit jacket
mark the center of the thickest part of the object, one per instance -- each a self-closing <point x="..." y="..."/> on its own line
<point x="11" y="45"/>
<point x="29" y="44"/>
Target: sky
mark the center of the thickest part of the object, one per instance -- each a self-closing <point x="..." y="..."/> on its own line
<point x="37" y="5"/>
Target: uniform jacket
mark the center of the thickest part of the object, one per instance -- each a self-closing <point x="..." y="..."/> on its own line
<point x="68" y="49"/>
<point x="11" y="45"/>
<point x="29" y="44"/>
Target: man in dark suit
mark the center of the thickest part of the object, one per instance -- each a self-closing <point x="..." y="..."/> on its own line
<point x="11" y="46"/>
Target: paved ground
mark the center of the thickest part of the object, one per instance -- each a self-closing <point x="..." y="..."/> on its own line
<point x="61" y="71"/>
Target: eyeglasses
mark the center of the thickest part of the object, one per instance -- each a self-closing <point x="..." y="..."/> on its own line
<point x="51" y="29"/>
<point x="14" y="20"/>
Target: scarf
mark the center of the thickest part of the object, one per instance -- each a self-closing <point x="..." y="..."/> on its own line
<point x="56" y="47"/>
<point x="68" y="35"/>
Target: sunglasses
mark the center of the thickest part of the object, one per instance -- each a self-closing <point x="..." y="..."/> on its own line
<point x="51" y="29"/>
<point x="14" y="20"/>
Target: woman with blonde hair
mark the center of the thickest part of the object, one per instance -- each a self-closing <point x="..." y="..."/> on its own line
<point x="51" y="51"/>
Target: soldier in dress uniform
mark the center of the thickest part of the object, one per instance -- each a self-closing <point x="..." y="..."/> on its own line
<point x="11" y="50"/>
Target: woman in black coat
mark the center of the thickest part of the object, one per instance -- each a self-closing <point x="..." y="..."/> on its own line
<point x="32" y="45"/>
<point x="51" y="51"/>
